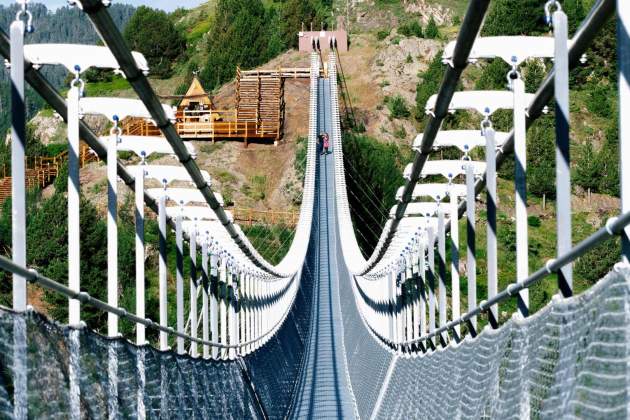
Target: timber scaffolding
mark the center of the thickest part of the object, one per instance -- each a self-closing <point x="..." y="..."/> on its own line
<point x="258" y="114"/>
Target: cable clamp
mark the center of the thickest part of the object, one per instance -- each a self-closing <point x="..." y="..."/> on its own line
<point x="77" y="81"/>
<point x="486" y="123"/>
<point x="548" y="265"/>
<point x="548" y="14"/>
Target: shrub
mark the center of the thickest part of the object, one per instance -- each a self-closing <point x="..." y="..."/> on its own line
<point x="382" y="34"/>
<point x="400" y="133"/>
<point x="398" y="108"/>
<point x="587" y="170"/>
<point x="534" y="74"/>
<point x="300" y="157"/>
<point x="410" y="29"/>
<point x="596" y="263"/>
<point x="55" y="149"/>
<point x="533" y="221"/>
<point x="257" y="187"/>
<point x="428" y="85"/>
<point x="608" y="159"/>
<point x="493" y="76"/>
<point x="432" y="31"/>
<point x="374" y="173"/>
<point x="599" y="103"/>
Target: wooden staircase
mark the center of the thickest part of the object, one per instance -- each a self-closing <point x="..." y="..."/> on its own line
<point x="41" y="171"/>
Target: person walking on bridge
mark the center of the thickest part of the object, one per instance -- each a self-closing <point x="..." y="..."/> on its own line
<point x="325" y="143"/>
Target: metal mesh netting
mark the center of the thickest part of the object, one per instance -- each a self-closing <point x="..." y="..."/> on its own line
<point x="171" y="387"/>
<point x="275" y="367"/>
<point x="166" y="384"/>
<point x="368" y="361"/>
<point x="568" y="360"/>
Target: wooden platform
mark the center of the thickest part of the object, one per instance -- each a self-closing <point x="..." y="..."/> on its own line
<point x="258" y="115"/>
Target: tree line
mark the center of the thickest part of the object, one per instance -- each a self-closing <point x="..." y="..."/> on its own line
<point x="245" y="33"/>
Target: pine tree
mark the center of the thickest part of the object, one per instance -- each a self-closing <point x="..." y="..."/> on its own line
<point x="237" y="39"/>
<point x="429" y="84"/>
<point x="153" y="33"/>
<point x="432" y="31"/>
<point x="541" y="158"/>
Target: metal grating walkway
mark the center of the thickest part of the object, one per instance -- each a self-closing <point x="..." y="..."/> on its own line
<point x="324" y="390"/>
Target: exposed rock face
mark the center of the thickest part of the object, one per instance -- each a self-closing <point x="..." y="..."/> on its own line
<point x="400" y="65"/>
<point x="47" y="128"/>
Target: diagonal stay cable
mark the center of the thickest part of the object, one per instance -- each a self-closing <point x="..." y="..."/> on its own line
<point x="374" y="203"/>
<point x="112" y="37"/>
<point x="599" y="15"/>
<point x="58" y="103"/>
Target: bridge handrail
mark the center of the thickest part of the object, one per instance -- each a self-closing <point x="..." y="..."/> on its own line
<point x="379" y="283"/>
<point x="293" y="259"/>
<point x="98" y="14"/>
<point x="34" y="277"/>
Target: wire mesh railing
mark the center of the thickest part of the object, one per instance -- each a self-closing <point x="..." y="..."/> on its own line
<point x="403" y="289"/>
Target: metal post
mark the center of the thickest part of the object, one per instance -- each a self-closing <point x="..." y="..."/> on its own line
<point x="491" y="183"/>
<point x="18" y="215"/>
<point x="194" y="352"/>
<point x="243" y="311"/>
<point x="222" y="305"/>
<point x="237" y="311"/>
<point x="140" y="289"/>
<point x="431" y="283"/>
<point x="112" y="229"/>
<point x="163" y="284"/>
<point x="74" y="226"/>
<point x="214" y="307"/>
<point x="398" y="307"/>
<point x="18" y="175"/>
<point x="250" y="311"/>
<point x="471" y="250"/>
<point x="409" y="303"/>
<point x="520" y="186"/>
<point x="623" y="57"/>
<point x="257" y="311"/>
<point x="205" y="287"/>
<point x="391" y="293"/>
<point x="179" y="282"/>
<point x="423" y="290"/>
<point x="455" y="299"/>
<point x="563" y="170"/>
<point x="442" y="272"/>
<point x="415" y="299"/>
<point x="232" y="325"/>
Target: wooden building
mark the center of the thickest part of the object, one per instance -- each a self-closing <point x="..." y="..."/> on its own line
<point x="258" y="113"/>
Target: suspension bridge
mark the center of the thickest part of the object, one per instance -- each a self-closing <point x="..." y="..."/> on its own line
<point x="326" y="333"/>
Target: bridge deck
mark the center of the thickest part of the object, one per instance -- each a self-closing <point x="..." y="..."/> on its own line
<point x="324" y="390"/>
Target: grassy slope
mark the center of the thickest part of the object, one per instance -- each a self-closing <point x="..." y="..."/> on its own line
<point x="586" y="127"/>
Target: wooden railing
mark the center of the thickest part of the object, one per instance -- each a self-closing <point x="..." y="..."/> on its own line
<point x="206" y="124"/>
<point x="284" y="72"/>
<point x="250" y="217"/>
<point x="42" y="170"/>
